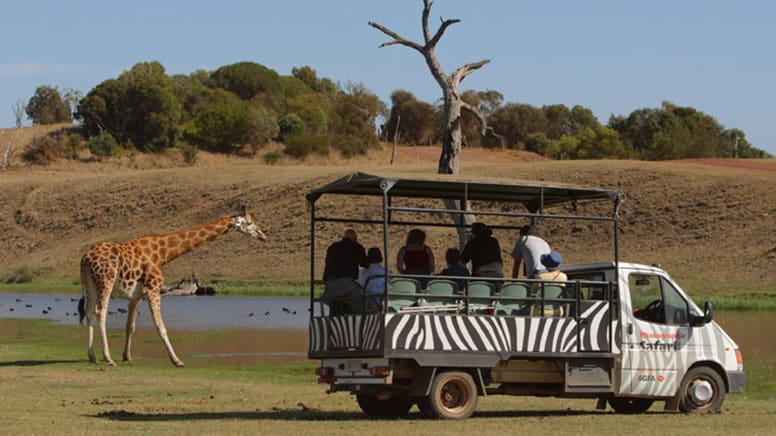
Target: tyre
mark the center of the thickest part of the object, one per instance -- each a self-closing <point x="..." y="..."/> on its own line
<point x="702" y="391"/>
<point x="393" y="407"/>
<point x="630" y="406"/>
<point x="424" y="406"/>
<point x="453" y="396"/>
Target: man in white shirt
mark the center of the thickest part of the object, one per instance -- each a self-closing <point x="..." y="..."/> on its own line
<point x="529" y="249"/>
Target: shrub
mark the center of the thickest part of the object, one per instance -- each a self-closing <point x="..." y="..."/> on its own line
<point x="190" y="153"/>
<point x="21" y="275"/>
<point x="290" y="125"/>
<point x="272" y="157"/>
<point x="350" y="146"/>
<point x="43" y="150"/>
<point x="299" y="146"/>
<point x="103" y="145"/>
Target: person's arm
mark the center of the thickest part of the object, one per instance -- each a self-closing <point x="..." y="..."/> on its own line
<point x="517" y="256"/>
<point x="400" y="261"/>
<point x="430" y="259"/>
<point x="362" y="260"/>
<point x="516" y="267"/>
<point x="464" y="257"/>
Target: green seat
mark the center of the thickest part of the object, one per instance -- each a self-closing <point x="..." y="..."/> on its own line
<point x="408" y="288"/>
<point x="444" y="289"/>
<point x="511" y="307"/>
<point x="480" y="299"/>
<point x="551" y="292"/>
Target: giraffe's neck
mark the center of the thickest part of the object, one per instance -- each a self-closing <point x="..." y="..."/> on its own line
<point x="166" y="247"/>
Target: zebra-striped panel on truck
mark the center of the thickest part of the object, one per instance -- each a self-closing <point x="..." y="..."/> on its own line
<point x="346" y="332"/>
<point x="488" y="333"/>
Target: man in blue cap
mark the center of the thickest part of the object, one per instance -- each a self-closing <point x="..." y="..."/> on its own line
<point x="552" y="262"/>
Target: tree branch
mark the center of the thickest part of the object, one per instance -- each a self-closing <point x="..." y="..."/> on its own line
<point x="484" y="128"/>
<point x="426" y="11"/>
<point x="445" y="24"/>
<point x="397" y="39"/>
<point x="463" y="71"/>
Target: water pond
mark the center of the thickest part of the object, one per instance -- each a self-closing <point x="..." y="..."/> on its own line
<point x="244" y="330"/>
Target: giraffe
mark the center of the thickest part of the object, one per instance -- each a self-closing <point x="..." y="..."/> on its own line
<point x="134" y="271"/>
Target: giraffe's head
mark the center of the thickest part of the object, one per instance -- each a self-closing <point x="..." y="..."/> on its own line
<point x="244" y="222"/>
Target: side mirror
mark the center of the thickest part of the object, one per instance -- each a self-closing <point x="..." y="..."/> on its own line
<point x="708" y="314"/>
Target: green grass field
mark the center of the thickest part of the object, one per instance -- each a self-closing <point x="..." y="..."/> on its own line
<point x="49" y="388"/>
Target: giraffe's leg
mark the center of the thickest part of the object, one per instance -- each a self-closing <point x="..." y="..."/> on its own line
<point x="134" y="306"/>
<point x="90" y="319"/>
<point x="89" y="293"/>
<point x="90" y="327"/>
<point x="154" y="305"/>
<point x="102" y="314"/>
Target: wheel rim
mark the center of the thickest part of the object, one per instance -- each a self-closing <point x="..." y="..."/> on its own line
<point x="701" y="392"/>
<point x="453" y="395"/>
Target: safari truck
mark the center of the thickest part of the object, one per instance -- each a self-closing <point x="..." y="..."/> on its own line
<point x="622" y="333"/>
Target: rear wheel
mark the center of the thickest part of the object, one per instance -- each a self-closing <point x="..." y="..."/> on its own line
<point x="630" y="406"/>
<point x="453" y="396"/>
<point x="392" y="407"/>
<point x="702" y="391"/>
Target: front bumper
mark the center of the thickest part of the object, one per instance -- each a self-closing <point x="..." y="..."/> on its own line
<point x="736" y="381"/>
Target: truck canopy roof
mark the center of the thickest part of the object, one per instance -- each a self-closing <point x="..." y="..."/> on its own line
<point x="532" y="196"/>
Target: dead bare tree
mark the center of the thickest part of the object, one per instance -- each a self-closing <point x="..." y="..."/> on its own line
<point x="451" y="97"/>
<point x="450" y="84"/>
<point x="7" y="156"/>
<point x="19" y="109"/>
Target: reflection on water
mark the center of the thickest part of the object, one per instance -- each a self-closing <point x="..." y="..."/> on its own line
<point x="751" y="331"/>
<point x="185" y="313"/>
<point x="204" y="330"/>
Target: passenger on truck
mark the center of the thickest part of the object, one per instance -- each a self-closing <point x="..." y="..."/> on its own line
<point x="415" y="257"/>
<point x="484" y="251"/>
<point x="341" y="291"/>
<point x="455" y="268"/>
<point x="549" y="290"/>
<point x="528" y="249"/>
<point x="372" y="278"/>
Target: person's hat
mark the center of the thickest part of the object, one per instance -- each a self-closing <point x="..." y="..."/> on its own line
<point x="551" y="259"/>
<point x="374" y="255"/>
<point x="480" y="229"/>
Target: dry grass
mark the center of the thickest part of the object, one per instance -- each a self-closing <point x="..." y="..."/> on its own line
<point x="711" y="226"/>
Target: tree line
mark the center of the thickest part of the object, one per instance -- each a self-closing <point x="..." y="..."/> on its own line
<point x="241" y="107"/>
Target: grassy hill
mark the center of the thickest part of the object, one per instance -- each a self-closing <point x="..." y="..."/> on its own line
<point x="709" y="223"/>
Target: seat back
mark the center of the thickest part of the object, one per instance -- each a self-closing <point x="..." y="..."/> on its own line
<point x="508" y="306"/>
<point x="480" y="296"/>
<point x="441" y="287"/>
<point x="405" y="286"/>
<point x="552" y="292"/>
<point x="514" y="290"/>
<point x="480" y="289"/>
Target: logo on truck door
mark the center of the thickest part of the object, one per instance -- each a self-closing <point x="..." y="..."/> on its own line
<point x="652" y="378"/>
<point x="658" y="345"/>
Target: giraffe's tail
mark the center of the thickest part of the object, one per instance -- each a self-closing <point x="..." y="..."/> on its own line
<point x="82" y="301"/>
<point x="81" y="310"/>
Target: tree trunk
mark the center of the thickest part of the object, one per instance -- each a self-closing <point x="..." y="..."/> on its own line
<point x="453" y="104"/>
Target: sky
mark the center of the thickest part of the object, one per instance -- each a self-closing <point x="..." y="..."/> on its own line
<point x="612" y="56"/>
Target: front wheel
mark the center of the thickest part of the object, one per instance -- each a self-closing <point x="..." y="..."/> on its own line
<point x="392" y="407"/>
<point x="702" y="391"/>
<point x="453" y="396"/>
<point x="630" y="406"/>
